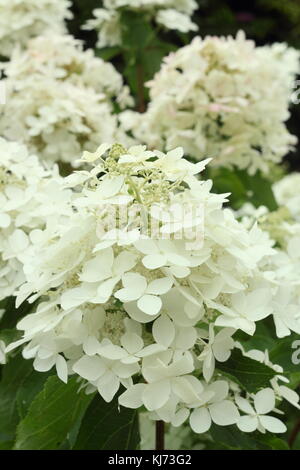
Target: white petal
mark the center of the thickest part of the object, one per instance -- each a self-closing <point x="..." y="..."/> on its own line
<point x="43" y="365"/>
<point x="156" y="395"/>
<point x="98" y="268"/>
<point x="77" y="296"/>
<point x="244" y="405"/>
<point x="180" y="417"/>
<point x="62" y="368"/>
<point x="108" y="386"/>
<point x="247" y="423"/>
<point x="4" y="220"/>
<point x="159" y="286"/>
<point x="149" y="304"/>
<point x="200" y="420"/>
<point x="154" y="261"/>
<point x="90" y="368"/>
<point x="132" y="342"/>
<point x="272" y="424"/>
<point x="112" y="351"/>
<point x="163" y="330"/>
<point x="132" y="398"/>
<point x="224" y="413"/>
<point x="264" y="401"/>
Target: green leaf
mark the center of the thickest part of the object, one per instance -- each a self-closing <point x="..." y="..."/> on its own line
<point x="12" y="314"/>
<point x="27" y="391"/>
<point x="137" y="31"/>
<point x="248" y="373"/>
<point x="108" y="53"/>
<point x="52" y="416"/>
<point x="13" y="375"/>
<point x="104" y="427"/>
<point x="230" y="437"/>
<point x="284" y="351"/>
<point x="243" y="187"/>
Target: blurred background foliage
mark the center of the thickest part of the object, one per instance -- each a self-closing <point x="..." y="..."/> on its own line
<point x="139" y="58"/>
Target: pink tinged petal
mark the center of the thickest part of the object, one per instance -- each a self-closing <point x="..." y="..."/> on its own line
<point x="247" y="423"/>
<point x="154" y="261"/>
<point x="132" y="398"/>
<point x="62" y="368"/>
<point x="163" y="331"/>
<point x="149" y="304"/>
<point x="156" y="395"/>
<point x="272" y="424"/>
<point x="159" y="286"/>
<point x="90" y="368"/>
<point x="264" y="401"/>
<point x="224" y="413"/>
<point x="200" y="420"/>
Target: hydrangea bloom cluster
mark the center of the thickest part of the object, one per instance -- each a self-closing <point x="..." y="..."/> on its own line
<point x="21" y="20"/>
<point x="30" y="195"/>
<point x="223" y="98"/>
<point x="287" y="193"/>
<point x="62" y="98"/>
<point x="153" y="313"/>
<point x="171" y="14"/>
<point x="282" y="269"/>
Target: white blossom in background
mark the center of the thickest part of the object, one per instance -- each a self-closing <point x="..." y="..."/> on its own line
<point x="21" y="20"/>
<point x="222" y="98"/>
<point x="62" y="99"/>
<point x="171" y="14"/>
<point x="287" y="193"/>
<point x="30" y="197"/>
<point x="282" y="269"/>
<point x="149" y="313"/>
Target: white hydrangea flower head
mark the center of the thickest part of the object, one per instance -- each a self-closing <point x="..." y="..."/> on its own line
<point x="171" y="14"/>
<point x="62" y="99"/>
<point x="256" y="415"/>
<point x="21" y="20"/>
<point x="30" y="195"/>
<point x="282" y="268"/>
<point x="121" y="305"/>
<point x="287" y="193"/>
<point x="214" y="97"/>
